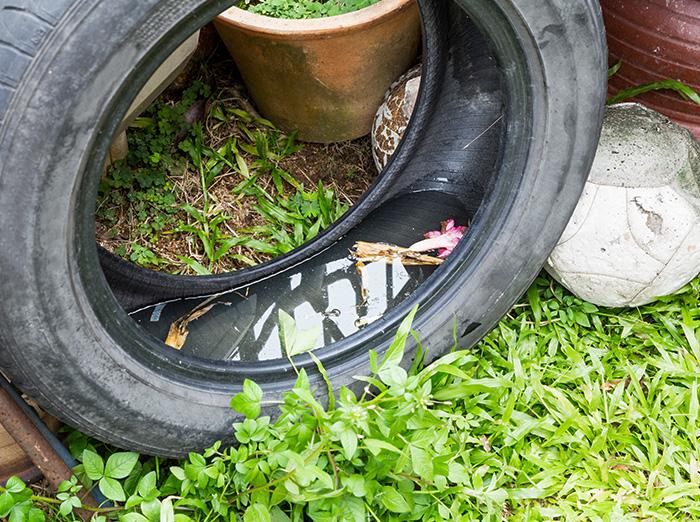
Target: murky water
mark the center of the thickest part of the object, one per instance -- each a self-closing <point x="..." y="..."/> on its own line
<point x="325" y="292"/>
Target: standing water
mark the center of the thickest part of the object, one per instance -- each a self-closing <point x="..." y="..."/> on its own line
<point x="325" y="292"/>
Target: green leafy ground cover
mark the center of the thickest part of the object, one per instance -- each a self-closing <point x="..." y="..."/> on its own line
<point x="564" y="412"/>
<point x="208" y="187"/>
<point x="304" y="8"/>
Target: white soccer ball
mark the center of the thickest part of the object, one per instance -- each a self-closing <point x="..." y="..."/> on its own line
<point x="635" y="234"/>
<point x="393" y="116"/>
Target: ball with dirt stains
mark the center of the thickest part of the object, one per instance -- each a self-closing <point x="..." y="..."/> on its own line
<point x="393" y="116"/>
<point x="635" y="234"/>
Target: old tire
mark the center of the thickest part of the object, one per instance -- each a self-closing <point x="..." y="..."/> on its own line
<point x="68" y="73"/>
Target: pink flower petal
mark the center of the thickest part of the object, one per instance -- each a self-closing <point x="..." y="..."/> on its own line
<point x="443" y="240"/>
<point x="432" y="243"/>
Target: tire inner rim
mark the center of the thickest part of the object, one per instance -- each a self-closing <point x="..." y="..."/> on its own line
<point x="462" y="157"/>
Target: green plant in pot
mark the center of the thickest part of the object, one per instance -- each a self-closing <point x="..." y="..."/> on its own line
<point x="321" y="68"/>
<point x="298" y="9"/>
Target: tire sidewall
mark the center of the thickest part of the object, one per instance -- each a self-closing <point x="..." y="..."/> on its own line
<point x="69" y="358"/>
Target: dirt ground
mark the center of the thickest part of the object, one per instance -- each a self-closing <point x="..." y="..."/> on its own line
<point x="345" y="167"/>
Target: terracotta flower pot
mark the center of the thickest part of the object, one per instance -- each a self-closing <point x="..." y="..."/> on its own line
<point x="324" y="77"/>
<point x="656" y="40"/>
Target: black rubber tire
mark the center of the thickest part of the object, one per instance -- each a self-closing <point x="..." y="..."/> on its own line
<point x="65" y="340"/>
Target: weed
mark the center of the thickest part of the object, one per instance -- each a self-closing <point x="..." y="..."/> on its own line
<point x="565" y="411"/>
<point x="681" y="89"/>
<point x="215" y="243"/>
<point x="292" y="221"/>
<point x="163" y="190"/>
<point x="143" y="256"/>
<point x="143" y="178"/>
<point x="304" y="8"/>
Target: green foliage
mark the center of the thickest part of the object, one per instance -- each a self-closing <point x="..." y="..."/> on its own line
<point x="143" y="256"/>
<point x="292" y="221"/>
<point x="248" y="401"/>
<point x="206" y="228"/>
<point x="565" y="411"/>
<point x="143" y="178"/>
<point x="107" y="474"/>
<point x="16" y="503"/>
<point x="304" y="8"/>
<point x="152" y="143"/>
<point x="679" y="88"/>
<point x="268" y="147"/>
<point x="684" y="91"/>
<point x="163" y="146"/>
<point x="294" y="340"/>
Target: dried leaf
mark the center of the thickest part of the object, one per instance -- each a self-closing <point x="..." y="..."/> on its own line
<point x="364" y="291"/>
<point x="621" y="467"/>
<point x="371" y="252"/>
<point x="364" y="321"/>
<point x="611" y="385"/>
<point x="195" y="114"/>
<point x="179" y="329"/>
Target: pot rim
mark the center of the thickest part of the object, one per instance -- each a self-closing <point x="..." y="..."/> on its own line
<point x="313" y="27"/>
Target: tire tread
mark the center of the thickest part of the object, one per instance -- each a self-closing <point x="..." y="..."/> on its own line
<point x="24" y="27"/>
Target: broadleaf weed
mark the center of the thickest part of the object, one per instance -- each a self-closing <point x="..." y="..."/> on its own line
<point x="163" y="148"/>
<point x="550" y="417"/>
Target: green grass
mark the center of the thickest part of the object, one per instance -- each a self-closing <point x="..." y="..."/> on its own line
<point x="564" y="412"/>
<point x="681" y="89"/>
<point x="159" y="198"/>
